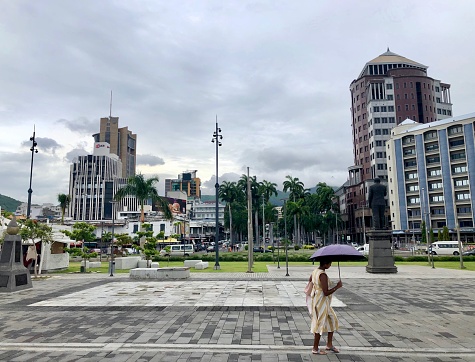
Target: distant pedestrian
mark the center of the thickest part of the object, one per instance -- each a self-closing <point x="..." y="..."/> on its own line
<point x="324" y="318"/>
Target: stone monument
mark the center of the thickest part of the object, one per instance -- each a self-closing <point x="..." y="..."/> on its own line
<point x="380" y="258"/>
<point x="13" y="274"/>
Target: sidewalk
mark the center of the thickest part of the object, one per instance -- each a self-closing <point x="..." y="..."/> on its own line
<point x="418" y="314"/>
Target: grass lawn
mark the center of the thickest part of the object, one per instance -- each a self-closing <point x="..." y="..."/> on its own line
<point x="261" y="266"/>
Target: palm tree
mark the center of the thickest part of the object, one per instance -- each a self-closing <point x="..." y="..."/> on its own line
<point x="242" y="183"/>
<point x="143" y="190"/>
<point x="297" y="191"/>
<point x="230" y="193"/>
<point x="64" y="201"/>
<point x="268" y="189"/>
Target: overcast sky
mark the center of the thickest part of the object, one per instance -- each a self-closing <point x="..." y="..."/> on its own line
<point x="276" y="74"/>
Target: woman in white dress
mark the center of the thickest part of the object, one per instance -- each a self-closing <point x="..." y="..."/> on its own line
<point x="323" y="316"/>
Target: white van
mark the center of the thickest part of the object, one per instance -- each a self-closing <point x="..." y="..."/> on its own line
<point x="444" y="248"/>
<point x="177" y="250"/>
<point x="364" y="249"/>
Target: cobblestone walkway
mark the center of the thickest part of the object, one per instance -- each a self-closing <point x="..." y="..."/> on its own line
<point x="419" y="314"/>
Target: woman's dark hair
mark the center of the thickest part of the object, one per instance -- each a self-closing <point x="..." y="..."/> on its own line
<point x="325" y="261"/>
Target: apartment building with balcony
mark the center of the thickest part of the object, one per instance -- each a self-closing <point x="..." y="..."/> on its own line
<point x="431" y="176"/>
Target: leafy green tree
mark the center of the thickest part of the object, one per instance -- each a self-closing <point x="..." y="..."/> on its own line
<point x="35" y="231"/>
<point x="82" y="231"/>
<point x="64" y="201"/>
<point x="439" y="235"/>
<point x="122" y="240"/>
<point x="445" y="233"/>
<point x="431" y="235"/>
<point x="297" y="191"/>
<point x="150" y="245"/>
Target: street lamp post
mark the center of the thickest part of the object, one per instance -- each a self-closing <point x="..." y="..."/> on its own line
<point x="286" y="241"/>
<point x="112" y="262"/>
<point x="33" y="150"/>
<point x="263" y="223"/>
<point x="217" y="137"/>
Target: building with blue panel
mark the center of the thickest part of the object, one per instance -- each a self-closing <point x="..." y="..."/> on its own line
<point x="431" y="176"/>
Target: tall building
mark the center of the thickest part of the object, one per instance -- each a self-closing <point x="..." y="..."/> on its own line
<point x="187" y="182"/>
<point x="389" y="89"/>
<point x="430" y="168"/>
<point x="123" y="143"/>
<point x="90" y="195"/>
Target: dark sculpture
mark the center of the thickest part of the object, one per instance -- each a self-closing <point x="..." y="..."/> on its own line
<point x="377" y="203"/>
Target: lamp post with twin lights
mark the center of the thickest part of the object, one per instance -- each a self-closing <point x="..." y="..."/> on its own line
<point x="217" y="137"/>
<point x="33" y="150"/>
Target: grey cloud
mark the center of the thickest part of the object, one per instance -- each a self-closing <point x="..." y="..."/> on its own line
<point x="74" y="153"/>
<point x="149" y="160"/>
<point x="81" y="125"/>
<point x="44" y="143"/>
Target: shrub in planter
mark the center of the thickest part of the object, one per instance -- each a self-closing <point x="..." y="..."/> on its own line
<point x="297" y="247"/>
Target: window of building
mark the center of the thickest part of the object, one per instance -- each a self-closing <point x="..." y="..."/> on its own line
<point x="413" y="200"/>
<point x="462" y="196"/>
<point x="410" y="163"/>
<point x="384" y="120"/>
<point x="407" y="107"/>
<point x="435" y="185"/>
<point x="458" y="156"/>
<point x="432" y="147"/>
<point x="459" y="169"/>
<point x="437" y="89"/>
<point x="390" y="97"/>
<point x="411" y="175"/>
<point x="412" y="188"/>
<point x="389" y="86"/>
<point x="437" y="198"/>
<point x="456" y="143"/>
<point x="376" y="109"/>
<point x="379" y="143"/>
<point x="461" y="182"/>
<point x="438" y="211"/>
<point x="405" y="96"/>
<point x="385" y="131"/>
<point x="413" y="107"/>
<point x="377" y="120"/>
<point x="449" y="112"/>
<point x="384" y="109"/>
<point x="392" y="120"/>
<point x="377" y="131"/>
<point x="464" y="210"/>
<point x="435" y="172"/>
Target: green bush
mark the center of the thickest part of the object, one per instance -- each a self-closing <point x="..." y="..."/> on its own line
<point x="297" y="247"/>
<point x="246" y="247"/>
<point x="308" y="247"/>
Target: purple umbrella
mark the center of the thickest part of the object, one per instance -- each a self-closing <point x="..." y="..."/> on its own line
<point x="337" y="252"/>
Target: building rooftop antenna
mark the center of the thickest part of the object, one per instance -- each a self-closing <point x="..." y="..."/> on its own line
<point x="110" y="108"/>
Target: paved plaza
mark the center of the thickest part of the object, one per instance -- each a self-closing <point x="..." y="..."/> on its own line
<point x="418" y="314"/>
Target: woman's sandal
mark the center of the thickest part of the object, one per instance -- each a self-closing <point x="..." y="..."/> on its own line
<point x="333" y="349"/>
<point x="318" y="351"/>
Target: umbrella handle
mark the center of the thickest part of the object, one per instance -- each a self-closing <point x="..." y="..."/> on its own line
<point x="339" y="277"/>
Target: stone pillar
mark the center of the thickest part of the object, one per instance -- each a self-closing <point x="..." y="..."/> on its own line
<point x="13" y="274"/>
<point x="380" y="258"/>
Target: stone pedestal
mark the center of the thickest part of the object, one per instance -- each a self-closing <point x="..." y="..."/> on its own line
<point x="13" y="275"/>
<point x="380" y="258"/>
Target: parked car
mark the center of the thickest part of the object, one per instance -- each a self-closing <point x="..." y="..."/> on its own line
<point x="364" y="249"/>
<point x="260" y="249"/>
<point x="469" y="252"/>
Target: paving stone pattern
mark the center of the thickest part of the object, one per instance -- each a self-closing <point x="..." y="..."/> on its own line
<point x="416" y="315"/>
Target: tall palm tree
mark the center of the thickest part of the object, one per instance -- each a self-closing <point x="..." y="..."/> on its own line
<point x="143" y="190"/>
<point x="64" y="201"/>
<point x="242" y="183"/>
<point x="297" y="191"/>
<point x="268" y="189"/>
<point x="230" y="193"/>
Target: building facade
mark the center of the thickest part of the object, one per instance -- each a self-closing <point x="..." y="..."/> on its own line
<point x="123" y="143"/>
<point x="431" y="169"/>
<point x="91" y="184"/>
<point x="186" y="182"/>
<point x="389" y="89"/>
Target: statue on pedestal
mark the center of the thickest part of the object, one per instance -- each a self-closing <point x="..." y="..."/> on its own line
<point x="377" y="203"/>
